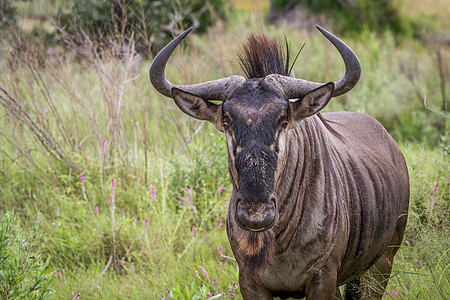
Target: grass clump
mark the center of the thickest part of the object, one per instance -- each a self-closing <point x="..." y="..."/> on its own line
<point x="23" y="273"/>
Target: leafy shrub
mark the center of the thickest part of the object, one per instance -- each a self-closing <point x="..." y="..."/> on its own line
<point x="8" y="15"/>
<point x="22" y="272"/>
<point x="355" y="15"/>
<point x="153" y="23"/>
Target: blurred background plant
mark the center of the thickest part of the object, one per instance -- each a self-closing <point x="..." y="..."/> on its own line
<point x="77" y="110"/>
<point x="152" y="23"/>
<point x="23" y="272"/>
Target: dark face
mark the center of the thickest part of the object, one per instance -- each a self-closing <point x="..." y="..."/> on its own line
<point x="254" y="117"/>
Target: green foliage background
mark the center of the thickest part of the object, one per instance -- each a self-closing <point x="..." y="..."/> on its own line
<point x="60" y="102"/>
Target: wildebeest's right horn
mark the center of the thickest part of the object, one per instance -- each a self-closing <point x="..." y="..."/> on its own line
<point x="210" y="90"/>
<point x="297" y="88"/>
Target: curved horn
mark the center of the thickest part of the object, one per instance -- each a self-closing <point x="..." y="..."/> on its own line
<point x="210" y="90"/>
<point x="297" y="88"/>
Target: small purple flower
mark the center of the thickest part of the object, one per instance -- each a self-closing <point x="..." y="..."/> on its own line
<point x="76" y="296"/>
<point x="393" y="293"/>
<point x="193" y="229"/>
<point x="204" y="271"/>
<point x="209" y="296"/>
<point x="153" y="195"/>
<point x="435" y="187"/>
<point x="235" y="286"/>
<point x="53" y="223"/>
<point x="103" y="151"/>
<point x="230" y="291"/>
<point x="233" y="295"/>
<point x="214" y="282"/>
<point x="223" y="294"/>
<point x="169" y="292"/>
<point x="220" y="189"/>
<point x="134" y="220"/>
<point x="181" y="198"/>
<point x="145" y="224"/>
<point x="220" y="249"/>
<point x="82" y="183"/>
<point x="58" y="272"/>
<point x="220" y="223"/>
<point x="123" y="261"/>
<point x="96" y="209"/>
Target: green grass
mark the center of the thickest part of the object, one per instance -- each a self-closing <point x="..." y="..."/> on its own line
<point x="79" y="103"/>
<point x="421" y="268"/>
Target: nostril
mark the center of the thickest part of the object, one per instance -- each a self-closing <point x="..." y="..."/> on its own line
<point x="273" y="198"/>
<point x="239" y="198"/>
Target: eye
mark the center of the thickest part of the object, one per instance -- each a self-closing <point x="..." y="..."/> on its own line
<point x="225" y="125"/>
<point x="284" y="124"/>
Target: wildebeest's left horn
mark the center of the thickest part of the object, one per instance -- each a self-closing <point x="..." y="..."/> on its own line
<point x="297" y="88"/>
<point x="210" y="90"/>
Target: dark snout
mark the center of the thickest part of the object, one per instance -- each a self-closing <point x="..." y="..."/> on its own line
<point x="256" y="215"/>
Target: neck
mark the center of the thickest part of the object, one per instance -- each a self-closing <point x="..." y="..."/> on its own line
<point x="302" y="185"/>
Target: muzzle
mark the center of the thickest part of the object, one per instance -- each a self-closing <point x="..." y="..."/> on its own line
<point x="256" y="215"/>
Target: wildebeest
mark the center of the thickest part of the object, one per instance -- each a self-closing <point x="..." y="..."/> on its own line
<point x="319" y="200"/>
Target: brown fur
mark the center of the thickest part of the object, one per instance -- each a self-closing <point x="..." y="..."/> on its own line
<point x="258" y="247"/>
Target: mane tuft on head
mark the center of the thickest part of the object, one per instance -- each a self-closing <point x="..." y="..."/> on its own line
<point x="262" y="56"/>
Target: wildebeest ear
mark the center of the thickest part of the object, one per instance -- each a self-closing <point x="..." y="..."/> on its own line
<point x="311" y="103"/>
<point x="197" y="107"/>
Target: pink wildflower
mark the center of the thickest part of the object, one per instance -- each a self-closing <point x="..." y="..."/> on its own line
<point x="193" y="229"/>
<point x="204" y="271"/>
<point x="435" y="187"/>
<point x="220" y="223"/>
<point x="393" y="293"/>
<point x="132" y="265"/>
<point x="103" y="151"/>
<point x="214" y="282"/>
<point x="220" y="189"/>
<point x="209" y="296"/>
<point x="82" y="183"/>
<point x="145" y="223"/>
<point x="153" y="195"/>
<point x="134" y="220"/>
<point x="123" y="262"/>
<point x="112" y="202"/>
<point x="96" y="209"/>
<point x="58" y="272"/>
<point x="181" y="198"/>
<point x="76" y="296"/>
